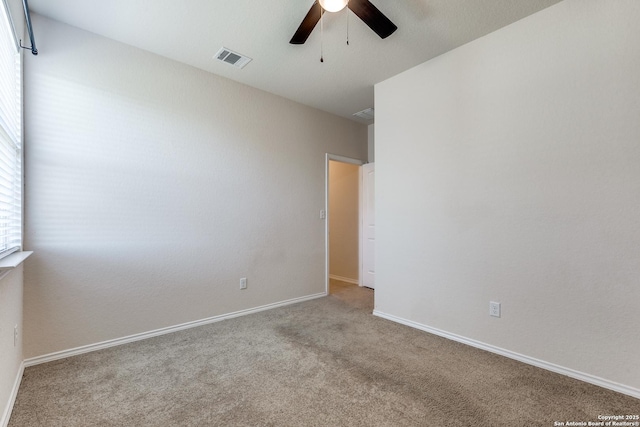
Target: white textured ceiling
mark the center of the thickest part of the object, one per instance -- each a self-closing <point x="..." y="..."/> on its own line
<point x="192" y="31"/>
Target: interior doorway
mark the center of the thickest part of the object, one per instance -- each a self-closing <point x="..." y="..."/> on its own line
<point x="343" y="221"/>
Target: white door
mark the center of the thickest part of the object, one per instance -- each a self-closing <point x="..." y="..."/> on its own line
<point x="368" y="226"/>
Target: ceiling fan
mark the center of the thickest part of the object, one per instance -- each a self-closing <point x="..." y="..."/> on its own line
<point x="363" y="9"/>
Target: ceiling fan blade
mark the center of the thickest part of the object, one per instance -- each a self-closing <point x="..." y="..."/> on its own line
<point x="371" y="16"/>
<point x="308" y="24"/>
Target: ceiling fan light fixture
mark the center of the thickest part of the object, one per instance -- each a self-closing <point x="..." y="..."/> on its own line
<point x="333" y="5"/>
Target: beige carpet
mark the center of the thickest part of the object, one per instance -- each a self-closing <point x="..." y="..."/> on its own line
<point x="326" y="362"/>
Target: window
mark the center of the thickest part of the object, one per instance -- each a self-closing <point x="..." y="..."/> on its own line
<point x="10" y="138"/>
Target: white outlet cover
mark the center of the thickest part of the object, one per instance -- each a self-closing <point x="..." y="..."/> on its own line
<point x="494" y="309"/>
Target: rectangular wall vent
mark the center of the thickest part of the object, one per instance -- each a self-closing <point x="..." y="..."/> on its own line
<point x="233" y="58"/>
<point x="365" y="114"/>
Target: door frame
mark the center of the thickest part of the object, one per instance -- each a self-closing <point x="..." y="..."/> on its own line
<point x="364" y="215"/>
<point x="359" y="163"/>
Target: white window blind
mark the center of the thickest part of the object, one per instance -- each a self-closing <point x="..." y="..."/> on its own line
<point x="10" y="139"/>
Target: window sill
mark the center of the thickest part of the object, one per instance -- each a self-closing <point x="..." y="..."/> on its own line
<point x="14" y="260"/>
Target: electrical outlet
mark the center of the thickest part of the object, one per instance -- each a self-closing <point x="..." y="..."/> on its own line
<point x="243" y="283"/>
<point x="15" y="335"/>
<point x="494" y="309"/>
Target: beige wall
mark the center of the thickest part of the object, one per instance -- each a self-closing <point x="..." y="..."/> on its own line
<point x="521" y="154"/>
<point x="153" y="187"/>
<point x="344" y="217"/>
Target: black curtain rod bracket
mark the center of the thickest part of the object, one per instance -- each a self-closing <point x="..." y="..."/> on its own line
<point x="27" y="16"/>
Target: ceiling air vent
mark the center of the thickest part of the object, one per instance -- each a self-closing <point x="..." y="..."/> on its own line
<point x="231" y="57"/>
<point x="365" y="114"/>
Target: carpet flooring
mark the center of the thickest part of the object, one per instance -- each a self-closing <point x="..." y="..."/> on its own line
<point x="325" y="362"/>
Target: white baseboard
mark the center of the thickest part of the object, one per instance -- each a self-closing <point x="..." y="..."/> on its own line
<point x="591" y="379"/>
<point x="138" y="337"/>
<point x="344" y="279"/>
<point x="4" y="421"/>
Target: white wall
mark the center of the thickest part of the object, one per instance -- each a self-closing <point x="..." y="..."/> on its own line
<point x="10" y="354"/>
<point x="11" y="295"/>
<point x="16" y="11"/>
<point x="344" y="220"/>
<point x="519" y="159"/>
<point x="152" y="187"/>
<point x="371" y="144"/>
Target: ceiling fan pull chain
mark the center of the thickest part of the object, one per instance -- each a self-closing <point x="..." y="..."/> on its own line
<point x="347" y="23"/>
<point x="321" y="35"/>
